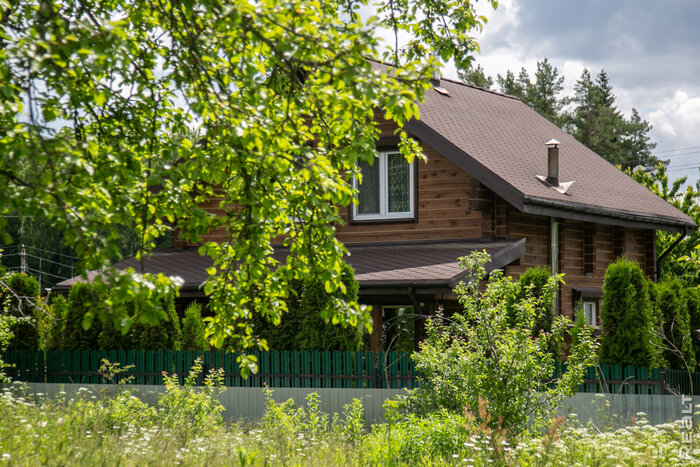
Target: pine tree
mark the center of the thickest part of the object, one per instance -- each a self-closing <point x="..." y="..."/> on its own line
<point x="542" y="95"/>
<point x="477" y="77"/>
<point x="596" y="122"/>
<point x="509" y="85"/>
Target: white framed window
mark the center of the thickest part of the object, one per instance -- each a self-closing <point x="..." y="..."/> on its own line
<point x="387" y="190"/>
<point x="590" y="312"/>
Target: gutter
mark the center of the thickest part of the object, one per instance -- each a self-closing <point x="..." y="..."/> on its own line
<point x="650" y="221"/>
<point x="680" y="238"/>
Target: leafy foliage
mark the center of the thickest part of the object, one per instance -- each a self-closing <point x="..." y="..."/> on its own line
<point x="308" y="323"/>
<point x="492" y="354"/>
<point x="166" y="334"/>
<point x="21" y="295"/>
<point x="692" y="300"/>
<point x="193" y="329"/>
<point x="100" y="94"/>
<point x="81" y="330"/>
<point x="676" y="340"/>
<point x="628" y="326"/>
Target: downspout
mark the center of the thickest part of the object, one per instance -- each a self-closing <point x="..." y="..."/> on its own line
<point x="668" y="250"/>
<point x="554" y="248"/>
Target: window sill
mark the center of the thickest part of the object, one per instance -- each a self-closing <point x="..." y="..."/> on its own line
<point x="400" y="220"/>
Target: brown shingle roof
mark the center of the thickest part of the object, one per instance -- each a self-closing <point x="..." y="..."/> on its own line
<point x="408" y="264"/>
<point x="501" y="141"/>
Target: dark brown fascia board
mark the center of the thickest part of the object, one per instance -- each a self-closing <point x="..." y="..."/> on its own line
<point x="476" y="242"/>
<point x="499" y="260"/>
<point x="404" y="283"/>
<point x="552" y="208"/>
<point x="400" y="290"/>
<point x="465" y="162"/>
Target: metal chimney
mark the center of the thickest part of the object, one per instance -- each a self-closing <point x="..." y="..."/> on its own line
<point x="553" y="162"/>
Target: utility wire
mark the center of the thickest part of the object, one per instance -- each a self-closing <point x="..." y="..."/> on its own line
<point x="673" y="150"/>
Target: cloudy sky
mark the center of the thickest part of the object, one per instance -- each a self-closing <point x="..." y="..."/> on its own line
<point x="649" y="49"/>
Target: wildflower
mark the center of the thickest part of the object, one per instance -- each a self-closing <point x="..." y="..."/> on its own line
<point x="42" y="424"/>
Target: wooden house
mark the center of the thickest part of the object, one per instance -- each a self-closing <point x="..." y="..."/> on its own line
<point x="497" y="178"/>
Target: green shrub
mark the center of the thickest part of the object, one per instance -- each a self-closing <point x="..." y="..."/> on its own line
<point x="628" y="334"/>
<point x="164" y="335"/>
<point x="23" y="303"/>
<point x="534" y="282"/>
<point x="86" y="301"/>
<point x="306" y="325"/>
<point x="189" y="405"/>
<point x="692" y="299"/>
<point x="112" y="335"/>
<point x="488" y="354"/>
<point x="672" y="303"/>
<point x="193" y="329"/>
<point x="54" y="328"/>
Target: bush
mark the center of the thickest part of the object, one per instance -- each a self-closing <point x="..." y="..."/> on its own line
<point x="85" y="302"/>
<point x="534" y="282"/>
<point x="672" y="303"/>
<point x="490" y="354"/>
<point x="164" y="335"/>
<point x="306" y="325"/>
<point x="193" y="329"/>
<point x="54" y="328"/>
<point x="23" y="303"/>
<point x="628" y="326"/>
<point x="692" y="299"/>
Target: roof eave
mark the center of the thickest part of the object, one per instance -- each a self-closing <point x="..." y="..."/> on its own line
<point x="564" y="210"/>
<point x="465" y="162"/>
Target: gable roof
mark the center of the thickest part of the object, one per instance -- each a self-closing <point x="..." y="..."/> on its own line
<point x="500" y="141"/>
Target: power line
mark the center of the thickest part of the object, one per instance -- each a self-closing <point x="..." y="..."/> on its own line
<point x="674" y="150"/>
<point x="38" y="249"/>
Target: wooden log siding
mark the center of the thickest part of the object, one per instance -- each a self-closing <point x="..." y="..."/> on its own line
<point x="444" y="211"/>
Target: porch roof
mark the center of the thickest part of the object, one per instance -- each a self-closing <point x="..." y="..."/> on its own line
<point x="386" y="265"/>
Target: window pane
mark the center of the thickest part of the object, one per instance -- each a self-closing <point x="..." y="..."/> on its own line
<point x="589" y="313"/>
<point x="369" y="189"/>
<point x="399" y="179"/>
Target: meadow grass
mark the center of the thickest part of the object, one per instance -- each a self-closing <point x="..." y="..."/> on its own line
<point x="185" y="427"/>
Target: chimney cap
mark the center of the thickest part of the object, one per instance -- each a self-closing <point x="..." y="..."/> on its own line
<point x="552" y="142"/>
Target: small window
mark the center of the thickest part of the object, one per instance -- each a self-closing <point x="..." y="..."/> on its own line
<point x="387" y="190"/>
<point x="589" y="312"/>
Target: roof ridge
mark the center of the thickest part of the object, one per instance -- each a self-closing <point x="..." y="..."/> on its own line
<point x="479" y="88"/>
<point x="454" y="81"/>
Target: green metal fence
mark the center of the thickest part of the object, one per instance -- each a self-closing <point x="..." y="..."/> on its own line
<point x="295" y="369"/>
<point x="302" y="369"/>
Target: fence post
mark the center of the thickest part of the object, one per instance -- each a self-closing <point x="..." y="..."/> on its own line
<point x="662" y="380"/>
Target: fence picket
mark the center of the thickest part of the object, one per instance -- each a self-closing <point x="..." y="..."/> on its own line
<point x="297" y="369"/>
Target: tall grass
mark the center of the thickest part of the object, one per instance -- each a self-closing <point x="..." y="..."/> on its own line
<point x="185" y="427"/>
